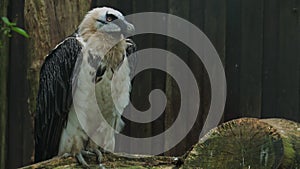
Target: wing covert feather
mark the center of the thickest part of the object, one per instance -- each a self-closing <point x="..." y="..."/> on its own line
<point x="54" y="98"/>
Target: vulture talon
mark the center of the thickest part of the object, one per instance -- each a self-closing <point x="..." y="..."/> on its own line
<point x="81" y="160"/>
<point x="87" y="153"/>
<point x="66" y="155"/>
<point x="98" y="155"/>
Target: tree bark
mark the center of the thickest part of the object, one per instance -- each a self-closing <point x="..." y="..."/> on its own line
<point x="111" y="161"/>
<point x="289" y="131"/>
<point x="248" y="143"/>
<point x="240" y="144"/>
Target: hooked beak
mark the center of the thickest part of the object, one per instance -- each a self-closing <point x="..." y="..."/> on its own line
<point x="130" y="30"/>
<point x="127" y="29"/>
<point x="118" y="26"/>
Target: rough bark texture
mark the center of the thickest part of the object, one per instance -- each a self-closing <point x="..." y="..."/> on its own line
<point x="112" y="161"/>
<point x="290" y="133"/>
<point x="240" y="144"/>
<point x="248" y="143"/>
<point x="3" y="86"/>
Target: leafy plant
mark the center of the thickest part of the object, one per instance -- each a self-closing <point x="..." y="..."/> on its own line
<point x="11" y="26"/>
<point x="7" y="27"/>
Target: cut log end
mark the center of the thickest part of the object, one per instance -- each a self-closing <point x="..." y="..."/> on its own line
<point x="290" y="134"/>
<point x="243" y="143"/>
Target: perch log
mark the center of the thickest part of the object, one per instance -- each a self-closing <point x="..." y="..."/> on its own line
<point x="111" y="161"/>
<point x="246" y="143"/>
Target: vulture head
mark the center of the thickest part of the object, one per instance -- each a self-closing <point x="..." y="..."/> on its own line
<point x="105" y="20"/>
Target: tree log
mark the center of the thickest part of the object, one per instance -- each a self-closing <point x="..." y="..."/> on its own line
<point x="111" y="161"/>
<point x="246" y="143"/>
<point x="289" y="131"/>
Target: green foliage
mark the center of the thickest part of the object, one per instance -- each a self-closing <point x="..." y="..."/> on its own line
<point x="7" y="27"/>
<point x="20" y="31"/>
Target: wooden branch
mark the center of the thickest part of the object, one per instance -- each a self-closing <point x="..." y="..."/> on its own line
<point x="242" y="143"/>
<point x="289" y="131"/>
<point x="111" y="161"/>
<point x="248" y="143"/>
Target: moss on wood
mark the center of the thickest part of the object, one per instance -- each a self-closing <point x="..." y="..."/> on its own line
<point x="290" y="134"/>
<point x="246" y="143"/>
<point x="243" y="143"/>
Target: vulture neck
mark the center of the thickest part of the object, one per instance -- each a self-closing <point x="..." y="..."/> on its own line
<point x="110" y="48"/>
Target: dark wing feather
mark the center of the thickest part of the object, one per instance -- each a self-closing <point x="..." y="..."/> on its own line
<point x="54" y="97"/>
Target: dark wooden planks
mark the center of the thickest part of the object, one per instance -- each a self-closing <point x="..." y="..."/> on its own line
<point x="288" y="60"/>
<point x="4" y="49"/>
<point x="271" y="54"/>
<point x="251" y="58"/>
<point x="197" y="9"/>
<point x="215" y="25"/>
<point x="19" y="122"/>
<point x="297" y="13"/>
<point x="210" y="17"/>
<point x="181" y="9"/>
<point x="215" y="30"/>
<point x="233" y="54"/>
<point x="101" y="3"/>
<point x="126" y="6"/>
<point x="159" y="77"/>
<point x="140" y="93"/>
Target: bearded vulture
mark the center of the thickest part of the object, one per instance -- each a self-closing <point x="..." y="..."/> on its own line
<point x="97" y="53"/>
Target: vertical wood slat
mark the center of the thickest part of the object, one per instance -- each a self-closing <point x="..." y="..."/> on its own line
<point x="140" y="93"/>
<point x="297" y="13"/>
<point x="4" y="56"/>
<point x="271" y="53"/>
<point x="126" y="6"/>
<point x="289" y="60"/>
<point x="100" y="3"/>
<point x="215" y="30"/>
<point x="20" y="147"/>
<point x="181" y="9"/>
<point x="233" y="53"/>
<point x="159" y="78"/>
<point x="197" y="17"/>
<point x="251" y="58"/>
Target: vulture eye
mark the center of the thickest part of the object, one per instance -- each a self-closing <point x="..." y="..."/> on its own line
<point x="110" y="17"/>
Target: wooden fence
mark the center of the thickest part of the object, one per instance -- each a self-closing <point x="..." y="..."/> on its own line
<point x="257" y="41"/>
